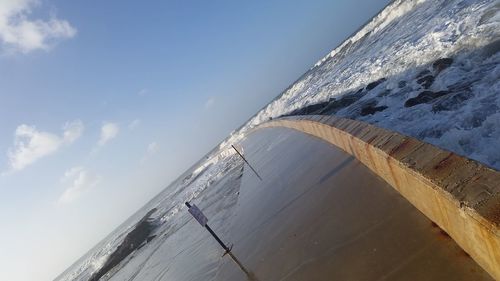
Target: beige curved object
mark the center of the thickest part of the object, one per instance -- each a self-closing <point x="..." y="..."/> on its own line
<point x="461" y="195"/>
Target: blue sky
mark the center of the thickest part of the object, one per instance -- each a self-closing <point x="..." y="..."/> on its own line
<point x="106" y="102"/>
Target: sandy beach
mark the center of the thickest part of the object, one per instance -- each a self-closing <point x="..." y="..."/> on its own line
<point x="319" y="214"/>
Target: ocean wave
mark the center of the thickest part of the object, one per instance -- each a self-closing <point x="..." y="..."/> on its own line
<point x="398" y="43"/>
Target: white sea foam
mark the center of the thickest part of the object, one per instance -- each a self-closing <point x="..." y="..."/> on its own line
<point x="397" y="44"/>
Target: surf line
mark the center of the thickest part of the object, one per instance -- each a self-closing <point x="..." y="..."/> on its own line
<point x="242" y="157"/>
<point x="203" y="221"/>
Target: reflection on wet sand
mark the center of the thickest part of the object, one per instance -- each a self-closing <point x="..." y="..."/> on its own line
<point x="250" y="275"/>
<point x="319" y="214"/>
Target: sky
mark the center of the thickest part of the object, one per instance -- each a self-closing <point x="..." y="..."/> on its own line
<point x="104" y="103"/>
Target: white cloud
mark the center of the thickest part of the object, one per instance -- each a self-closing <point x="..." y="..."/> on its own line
<point x="108" y="132"/>
<point x="209" y="103"/>
<point x="152" y="148"/>
<point x="78" y="180"/>
<point x="72" y="131"/>
<point x="134" y="124"/>
<point x="31" y="144"/>
<point x="143" y="92"/>
<point x="20" y="32"/>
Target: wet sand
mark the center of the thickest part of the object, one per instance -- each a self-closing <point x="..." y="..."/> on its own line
<point x="319" y="214"/>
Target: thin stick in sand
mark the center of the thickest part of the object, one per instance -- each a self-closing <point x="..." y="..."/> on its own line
<point x="246" y="162"/>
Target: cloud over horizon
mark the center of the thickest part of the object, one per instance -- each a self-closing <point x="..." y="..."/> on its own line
<point x="78" y="180"/>
<point x="109" y="131"/>
<point x="152" y="148"/>
<point x="209" y="103"/>
<point x="134" y="124"/>
<point x="31" y="144"/>
<point x="20" y="32"/>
